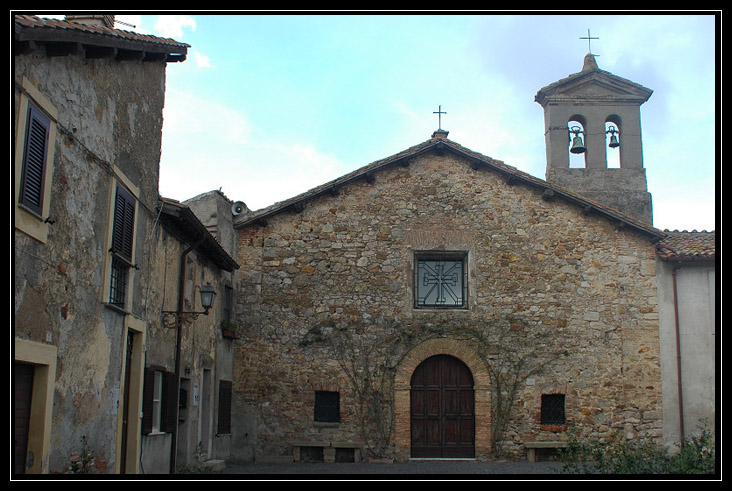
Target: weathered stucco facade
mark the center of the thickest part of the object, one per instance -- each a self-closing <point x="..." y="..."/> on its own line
<point x="539" y="268"/>
<point x="105" y="131"/>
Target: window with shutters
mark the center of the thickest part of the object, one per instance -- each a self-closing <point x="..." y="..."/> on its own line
<point x="35" y="135"/>
<point x="159" y="401"/>
<point x="122" y="245"/>
<point x="224" y="420"/>
<point x="35" y="154"/>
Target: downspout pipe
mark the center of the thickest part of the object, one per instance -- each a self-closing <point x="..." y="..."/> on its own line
<point x="178" y="340"/>
<point x="675" y="268"/>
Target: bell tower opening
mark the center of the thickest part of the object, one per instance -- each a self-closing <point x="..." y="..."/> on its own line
<point x="593" y="138"/>
<point x="577" y="149"/>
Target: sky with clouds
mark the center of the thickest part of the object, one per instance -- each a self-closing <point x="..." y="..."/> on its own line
<point x="269" y="106"/>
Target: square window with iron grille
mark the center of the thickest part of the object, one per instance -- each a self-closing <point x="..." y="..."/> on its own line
<point x="440" y="281"/>
<point x="118" y="282"/>
<point x="552" y="409"/>
<point x="327" y="407"/>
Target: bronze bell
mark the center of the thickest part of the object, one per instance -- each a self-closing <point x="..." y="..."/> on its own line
<point x="613" y="138"/>
<point x="577" y="145"/>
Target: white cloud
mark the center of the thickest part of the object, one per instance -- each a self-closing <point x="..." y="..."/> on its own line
<point x="171" y="26"/>
<point x="208" y="145"/>
<point x="202" y="61"/>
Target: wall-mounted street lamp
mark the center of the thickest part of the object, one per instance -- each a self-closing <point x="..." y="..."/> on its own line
<point x="208" y="296"/>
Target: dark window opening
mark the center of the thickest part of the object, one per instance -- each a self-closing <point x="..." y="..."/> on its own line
<point x="327" y="407"/>
<point x="118" y="283"/>
<point x="552" y="409"/>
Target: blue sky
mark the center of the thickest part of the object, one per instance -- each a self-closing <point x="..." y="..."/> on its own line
<point x="269" y="106"/>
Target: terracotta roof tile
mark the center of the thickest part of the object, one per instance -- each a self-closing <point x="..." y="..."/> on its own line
<point x="30" y="27"/>
<point x="683" y="245"/>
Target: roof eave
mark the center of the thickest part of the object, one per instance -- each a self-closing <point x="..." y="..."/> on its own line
<point x="477" y="160"/>
<point x="190" y="227"/>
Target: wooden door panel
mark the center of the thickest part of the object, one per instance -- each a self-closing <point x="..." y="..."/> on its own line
<point x="442" y="412"/>
<point x="23" y="377"/>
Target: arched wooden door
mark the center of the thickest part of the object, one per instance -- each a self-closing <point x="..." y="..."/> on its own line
<point x="442" y="409"/>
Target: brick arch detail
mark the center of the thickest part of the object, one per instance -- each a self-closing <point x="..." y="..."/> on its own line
<point x="481" y="380"/>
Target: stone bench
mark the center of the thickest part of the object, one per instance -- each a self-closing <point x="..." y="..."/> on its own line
<point x="329" y="450"/>
<point x="531" y="448"/>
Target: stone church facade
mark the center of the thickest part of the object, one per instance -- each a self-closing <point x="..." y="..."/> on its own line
<point x="437" y="303"/>
<point x="379" y="292"/>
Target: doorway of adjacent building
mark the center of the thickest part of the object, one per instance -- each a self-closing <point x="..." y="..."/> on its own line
<point x="23" y="392"/>
<point x="442" y="409"/>
<point x="205" y="415"/>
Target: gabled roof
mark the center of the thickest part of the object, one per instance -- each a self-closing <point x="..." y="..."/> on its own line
<point x="64" y="37"/>
<point x="189" y="229"/>
<point x="688" y="246"/>
<point x="478" y="161"/>
<point x="593" y="84"/>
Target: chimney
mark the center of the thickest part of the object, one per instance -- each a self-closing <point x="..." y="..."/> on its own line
<point x="99" y="20"/>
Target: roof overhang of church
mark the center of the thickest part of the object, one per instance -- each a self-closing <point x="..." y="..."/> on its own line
<point x="441" y="145"/>
<point x="63" y="37"/>
<point x="593" y="86"/>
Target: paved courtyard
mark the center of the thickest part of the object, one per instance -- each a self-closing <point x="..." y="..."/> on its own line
<point x="420" y="468"/>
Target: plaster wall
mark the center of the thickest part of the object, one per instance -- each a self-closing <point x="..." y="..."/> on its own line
<point x="696" y="294"/>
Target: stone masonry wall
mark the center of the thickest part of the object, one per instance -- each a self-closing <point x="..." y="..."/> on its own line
<point x="347" y="261"/>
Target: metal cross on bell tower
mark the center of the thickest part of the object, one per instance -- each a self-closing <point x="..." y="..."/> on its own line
<point x="589" y="39"/>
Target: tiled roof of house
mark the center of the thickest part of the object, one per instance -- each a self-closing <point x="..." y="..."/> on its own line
<point x="29" y="28"/>
<point x="688" y="246"/>
<point x="190" y="228"/>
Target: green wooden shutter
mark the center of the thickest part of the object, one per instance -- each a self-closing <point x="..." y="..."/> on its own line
<point x="35" y="153"/>
<point x="224" y="420"/>
<point x="169" y="404"/>
<point x="124" y="224"/>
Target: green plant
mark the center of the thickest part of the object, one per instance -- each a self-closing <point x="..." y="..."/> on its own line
<point x="85" y="462"/>
<point x="228" y="325"/>
<point x="621" y="456"/>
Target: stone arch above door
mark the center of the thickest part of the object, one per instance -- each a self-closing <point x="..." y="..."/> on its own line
<point x="481" y="379"/>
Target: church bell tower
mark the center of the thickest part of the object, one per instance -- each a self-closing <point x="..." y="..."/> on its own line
<point x="592" y="129"/>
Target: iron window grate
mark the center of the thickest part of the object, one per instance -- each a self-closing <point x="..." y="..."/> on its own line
<point x="439" y="282"/>
<point x="552" y="409"/>
<point x="327" y="407"/>
<point x="118" y="283"/>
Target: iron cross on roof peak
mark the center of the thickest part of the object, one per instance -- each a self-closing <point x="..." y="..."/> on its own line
<point x="589" y="39"/>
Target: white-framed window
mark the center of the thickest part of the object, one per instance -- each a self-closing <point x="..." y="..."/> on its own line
<point x="157" y="401"/>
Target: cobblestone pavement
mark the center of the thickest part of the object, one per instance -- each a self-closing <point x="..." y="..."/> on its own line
<point x="421" y="469"/>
